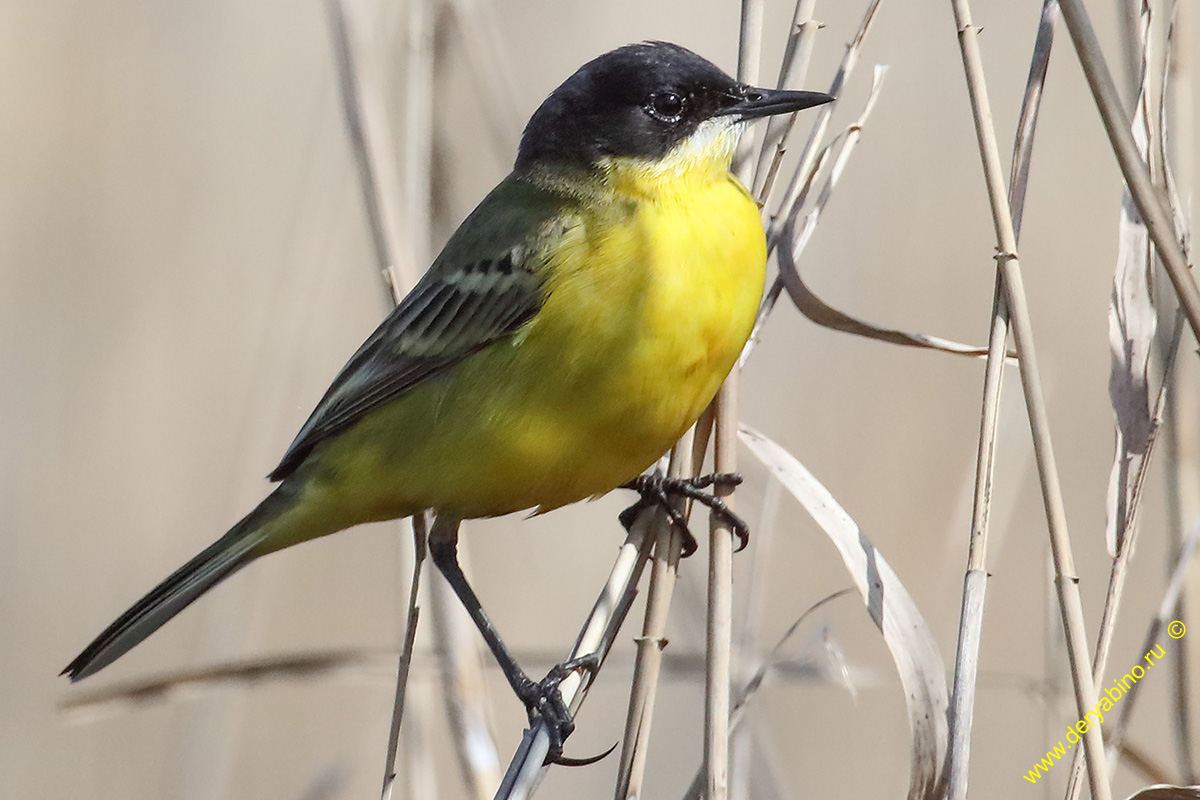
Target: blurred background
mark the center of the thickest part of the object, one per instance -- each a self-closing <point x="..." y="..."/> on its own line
<point x="185" y="263"/>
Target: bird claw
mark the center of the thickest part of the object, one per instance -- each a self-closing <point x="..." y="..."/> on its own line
<point x="544" y="701"/>
<point x="656" y="490"/>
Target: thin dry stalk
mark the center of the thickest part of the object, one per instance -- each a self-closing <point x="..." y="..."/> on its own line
<point x="1137" y="177"/>
<point x="811" y="161"/>
<point x="749" y="57"/>
<point x="365" y="116"/>
<point x="1120" y="564"/>
<point x="418" y="136"/>
<point x="970" y="630"/>
<point x="526" y="769"/>
<point x="1064" y="566"/>
<point x="648" y="664"/>
<point x="792" y="71"/>
<point x="752" y="602"/>
<point x="719" y="628"/>
<point x="719" y="617"/>
<point x="460" y="648"/>
<point x="755" y="681"/>
<point x="1128" y="527"/>
<point x="419" y="526"/>
<point x="802" y="175"/>
<point x="464" y="689"/>
<point x="366" y="124"/>
<point x="1153" y="633"/>
<point x="420" y="762"/>
<point x="1182" y="461"/>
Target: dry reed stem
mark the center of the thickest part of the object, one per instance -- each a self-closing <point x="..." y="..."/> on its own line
<point x="417" y="181"/>
<point x="803" y="173"/>
<point x="754" y="682"/>
<point x="464" y="688"/>
<point x="1119" y="568"/>
<point x="792" y="72"/>
<point x="1120" y="564"/>
<point x="526" y="769"/>
<point x="1137" y="177"/>
<point x="1182" y="461"/>
<point x="420" y="767"/>
<point x="648" y="663"/>
<point x="811" y="160"/>
<point x="750" y="35"/>
<point x="177" y="684"/>
<point x="1165" y="608"/>
<point x="1064" y="567"/>
<point x="460" y="648"/>
<point x="419" y="525"/>
<point x="366" y="124"/>
<point x="719" y="628"/>
<point x="719" y="615"/>
<point x="970" y="631"/>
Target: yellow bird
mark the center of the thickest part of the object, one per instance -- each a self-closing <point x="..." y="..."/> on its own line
<point x="574" y="326"/>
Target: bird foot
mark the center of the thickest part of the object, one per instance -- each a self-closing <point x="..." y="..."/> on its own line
<point x="544" y="701"/>
<point x="656" y="490"/>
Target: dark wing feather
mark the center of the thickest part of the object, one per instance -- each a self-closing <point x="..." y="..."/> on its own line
<point x="484" y="286"/>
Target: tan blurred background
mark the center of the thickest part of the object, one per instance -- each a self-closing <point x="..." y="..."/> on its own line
<point x="185" y="263"/>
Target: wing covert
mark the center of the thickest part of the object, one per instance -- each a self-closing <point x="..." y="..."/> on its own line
<point x="472" y="296"/>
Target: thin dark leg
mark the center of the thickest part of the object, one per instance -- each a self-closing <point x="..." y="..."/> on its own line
<point x="542" y="699"/>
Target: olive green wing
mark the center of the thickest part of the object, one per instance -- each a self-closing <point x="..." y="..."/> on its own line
<point x="486" y="284"/>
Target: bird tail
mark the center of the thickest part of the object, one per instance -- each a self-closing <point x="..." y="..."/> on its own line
<point x="222" y="558"/>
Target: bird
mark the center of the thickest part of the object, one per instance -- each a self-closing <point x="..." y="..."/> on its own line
<point x="574" y="326"/>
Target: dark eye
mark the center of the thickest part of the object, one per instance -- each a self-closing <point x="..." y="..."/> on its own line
<point x="666" y="106"/>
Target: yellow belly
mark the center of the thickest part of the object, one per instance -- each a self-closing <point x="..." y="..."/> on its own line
<point x="645" y="316"/>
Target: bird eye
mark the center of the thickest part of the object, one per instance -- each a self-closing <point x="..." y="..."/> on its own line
<point x="666" y="106"/>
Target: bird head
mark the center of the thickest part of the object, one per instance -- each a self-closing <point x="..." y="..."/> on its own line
<point x="654" y="104"/>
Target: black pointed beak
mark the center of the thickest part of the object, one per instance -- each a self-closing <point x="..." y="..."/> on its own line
<point x="757" y="103"/>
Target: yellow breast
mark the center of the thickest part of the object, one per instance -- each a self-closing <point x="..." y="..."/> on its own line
<point x="652" y="289"/>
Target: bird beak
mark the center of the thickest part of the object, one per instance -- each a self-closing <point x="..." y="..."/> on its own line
<point x="756" y="103"/>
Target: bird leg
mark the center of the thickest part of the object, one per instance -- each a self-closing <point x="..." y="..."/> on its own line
<point x="542" y="699"/>
<point x="656" y="490"/>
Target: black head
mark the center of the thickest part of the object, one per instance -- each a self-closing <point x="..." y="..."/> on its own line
<point x="641" y="100"/>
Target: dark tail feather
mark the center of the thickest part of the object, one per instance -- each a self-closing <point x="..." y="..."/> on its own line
<point x="216" y="562"/>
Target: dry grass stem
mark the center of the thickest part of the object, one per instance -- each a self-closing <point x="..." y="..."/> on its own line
<point x="417" y="182"/>
<point x="1064" y="565"/>
<point x="750" y="36"/>
<point x="719" y="624"/>
<point x="792" y="72"/>
<point x="970" y="629"/>
<point x="418" y="754"/>
<point x="366" y="123"/>
<point x="755" y="680"/>
<point x="1132" y="323"/>
<point x="182" y="684"/>
<point x="792" y="245"/>
<point x="668" y="545"/>
<point x="1154" y="632"/>
<point x="1182" y="461"/>
<point x="464" y="688"/>
<point x="420" y="531"/>
<point x="365" y="116"/>
<point x="911" y="645"/>
<point x="526" y="769"/>
<point x="1137" y="177"/>
<point x="803" y="173"/>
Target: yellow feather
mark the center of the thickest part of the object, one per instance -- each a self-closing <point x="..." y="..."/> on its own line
<point x="651" y="295"/>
